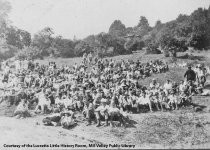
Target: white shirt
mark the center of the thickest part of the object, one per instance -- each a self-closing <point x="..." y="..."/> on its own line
<point x="167" y="86"/>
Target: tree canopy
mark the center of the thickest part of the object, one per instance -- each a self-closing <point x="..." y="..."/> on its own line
<point x="177" y="35"/>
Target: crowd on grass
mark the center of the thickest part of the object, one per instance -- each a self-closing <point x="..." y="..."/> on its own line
<point x="101" y="89"/>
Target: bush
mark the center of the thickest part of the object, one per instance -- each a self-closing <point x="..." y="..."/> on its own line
<point x="29" y="52"/>
<point x="172" y="53"/>
<point x="166" y="53"/>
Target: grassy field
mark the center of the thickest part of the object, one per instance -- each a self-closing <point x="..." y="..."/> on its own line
<point x="183" y="128"/>
<point x="175" y="73"/>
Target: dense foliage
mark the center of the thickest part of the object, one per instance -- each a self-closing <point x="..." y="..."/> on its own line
<point x="171" y="37"/>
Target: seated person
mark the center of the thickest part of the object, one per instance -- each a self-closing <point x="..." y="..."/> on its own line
<point x="185" y="98"/>
<point x="102" y="113"/>
<point x="114" y="113"/>
<point x="182" y="86"/>
<point x="163" y="100"/>
<point x="167" y="86"/>
<point x="67" y="119"/>
<point x="173" y="100"/>
<point x="191" y="87"/>
<point x="144" y="100"/>
<point x="155" y="99"/>
<point x="154" y="85"/>
<point x="22" y="110"/>
<point x="88" y="112"/>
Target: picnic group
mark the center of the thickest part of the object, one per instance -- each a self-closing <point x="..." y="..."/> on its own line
<point x="102" y="90"/>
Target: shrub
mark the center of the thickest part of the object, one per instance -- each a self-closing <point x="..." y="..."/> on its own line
<point x="29" y="52"/>
<point x="166" y="53"/>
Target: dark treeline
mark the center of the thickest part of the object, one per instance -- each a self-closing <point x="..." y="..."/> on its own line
<point x="177" y="35"/>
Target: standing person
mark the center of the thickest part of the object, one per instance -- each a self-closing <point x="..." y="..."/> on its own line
<point x="201" y="75"/>
<point x="190" y="74"/>
<point x="84" y="58"/>
<point x="90" y="57"/>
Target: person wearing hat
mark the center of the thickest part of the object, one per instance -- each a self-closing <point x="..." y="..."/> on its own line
<point x="102" y="112"/>
<point x="190" y="74"/>
<point x="154" y="84"/>
<point x="67" y="119"/>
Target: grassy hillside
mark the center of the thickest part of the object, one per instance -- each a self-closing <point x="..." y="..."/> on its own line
<point x="183" y="128"/>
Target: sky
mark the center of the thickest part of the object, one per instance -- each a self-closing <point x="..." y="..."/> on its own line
<point x="81" y="18"/>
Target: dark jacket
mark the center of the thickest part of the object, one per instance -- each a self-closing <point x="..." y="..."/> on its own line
<point x="190" y="74"/>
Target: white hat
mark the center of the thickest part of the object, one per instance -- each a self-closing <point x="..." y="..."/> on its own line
<point x="103" y="100"/>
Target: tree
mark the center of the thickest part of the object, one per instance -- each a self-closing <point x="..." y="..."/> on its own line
<point x="12" y="37"/>
<point x="143" y="22"/>
<point x="131" y="45"/>
<point x="169" y="43"/>
<point x="143" y="27"/>
<point x="200" y="26"/>
<point x="5" y="8"/>
<point x="6" y="50"/>
<point x="62" y="47"/>
<point x="107" y="41"/>
<point x="82" y="47"/>
<point x="29" y="53"/>
<point x="43" y="40"/>
<point x="158" y="24"/>
<point x="197" y="40"/>
<point x="25" y="37"/>
<point x="117" y="29"/>
<point x="17" y="37"/>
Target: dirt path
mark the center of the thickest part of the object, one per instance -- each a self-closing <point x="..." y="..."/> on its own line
<point x="26" y="131"/>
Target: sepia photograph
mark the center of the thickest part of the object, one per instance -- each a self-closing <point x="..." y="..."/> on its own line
<point x="104" y="74"/>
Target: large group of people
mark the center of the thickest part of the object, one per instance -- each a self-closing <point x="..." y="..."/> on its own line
<point x="103" y="91"/>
